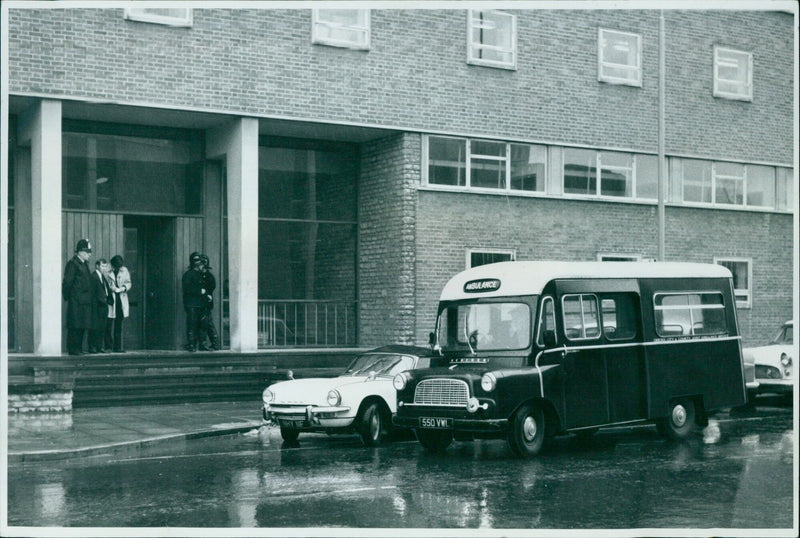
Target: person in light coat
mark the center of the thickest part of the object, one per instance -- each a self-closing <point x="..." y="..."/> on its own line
<point x="120" y="282"/>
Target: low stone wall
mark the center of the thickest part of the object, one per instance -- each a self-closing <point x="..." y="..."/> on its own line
<point x="39" y="397"/>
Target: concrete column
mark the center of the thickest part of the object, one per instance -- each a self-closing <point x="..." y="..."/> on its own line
<point x="238" y="144"/>
<point x="41" y="128"/>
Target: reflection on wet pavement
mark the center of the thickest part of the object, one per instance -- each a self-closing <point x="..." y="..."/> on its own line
<point x="737" y="474"/>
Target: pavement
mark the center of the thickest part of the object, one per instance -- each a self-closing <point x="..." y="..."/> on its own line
<point x="111" y="430"/>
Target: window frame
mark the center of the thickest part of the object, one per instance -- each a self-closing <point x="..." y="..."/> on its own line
<point x="142" y="14"/>
<point x="746" y="93"/>
<point x="598" y="169"/>
<point x="511" y="252"/>
<point x="472" y="47"/>
<point x="628" y="257"/>
<point x="469" y="155"/>
<point x="636" y="80"/>
<point x="366" y="30"/>
<point x="747" y="293"/>
<point x="542" y="305"/>
<point x="580" y="297"/>
<point x="689" y="307"/>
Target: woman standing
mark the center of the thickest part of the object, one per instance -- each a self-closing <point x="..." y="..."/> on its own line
<point x="121" y="287"/>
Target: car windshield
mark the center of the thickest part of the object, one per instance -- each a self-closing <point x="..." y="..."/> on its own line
<point x="379" y="364"/>
<point x="484" y="326"/>
<point x="785" y="336"/>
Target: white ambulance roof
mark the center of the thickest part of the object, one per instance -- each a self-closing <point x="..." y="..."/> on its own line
<point x="529" y="278"/>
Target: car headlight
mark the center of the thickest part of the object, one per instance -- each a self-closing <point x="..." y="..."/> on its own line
<point x="268" y="396"/>
<point x="488" y="382"/>
<point x="786" y="360"/>
<point x="400" y="381"/>
<point x="334" y="398"/>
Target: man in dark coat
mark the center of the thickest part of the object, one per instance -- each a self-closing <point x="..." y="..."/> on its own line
<point x="76" y="289"/>
<point x="102" y="298"/>
<point x="207" y="326"/>
<point x="194" y="299"/>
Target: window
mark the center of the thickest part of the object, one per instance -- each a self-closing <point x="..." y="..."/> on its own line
<point x="731" y="184"/>
<point x="616" y="174"/>
<point x="486" y="164"/>
<point x="492" y="39"/>
<point x="741" y="269"/>
<point x="619" y="57"/>
<point x="167" y="16"/>
<point x="784" y="189"/>
<point x="760" y="186"/>
<point x="527" y="167"/>
<point x="341" y="28"/>
<point x="580" y="317"/>
<point x="547" y="319"/>
<point x="689" y="314"/>
<point x="619" y="316"/>
<point x="580" y="171"/>
<point x="733" y="74"/>
<point x="484" y="257"/>
<point x="610" y="173"/>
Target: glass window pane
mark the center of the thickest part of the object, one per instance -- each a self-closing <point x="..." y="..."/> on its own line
<point x="487" y="174"/>
<point x="447" y="161"/>
<point x="482" y="258"/>
<point x="491" y="37"/>
<point x="647" y="177"/>
<point x="342" y="17"/>
<point x="306" y="184"/>
<point x="785" y="194"/>
<point x="616" y="174"/>
<point x="729" y="183"/>
<point x="760" y="186"/>
<point x="483" y="147"/>
<point x="580" y="172"/>
<point x="696" y="177"/>
<point x="528" y="165"/>
<point x="137" y="174"/>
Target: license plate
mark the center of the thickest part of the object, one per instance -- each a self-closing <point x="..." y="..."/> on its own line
<point x="435" y="422"/>
<point x="292" y="423"/>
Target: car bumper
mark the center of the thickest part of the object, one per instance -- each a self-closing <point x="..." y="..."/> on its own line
<point x="308" y="417"/>
<point x="459" y="424"/>
<point x="775" y="386"/>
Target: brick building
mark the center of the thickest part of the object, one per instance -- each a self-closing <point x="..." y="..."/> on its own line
<point x="339" y="166"/>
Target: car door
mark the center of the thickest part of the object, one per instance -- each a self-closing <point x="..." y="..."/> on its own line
<point x="585" y="374"/>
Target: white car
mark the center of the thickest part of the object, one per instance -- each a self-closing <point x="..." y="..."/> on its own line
<point x="773" y="363"/>
<point x="361" y="400"/>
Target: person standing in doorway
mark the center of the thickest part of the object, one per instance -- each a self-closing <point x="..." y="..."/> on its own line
<point x="194" y="299"/>
<point x="102" y="299"/>
<point x="121" y="285"/>
<point x="76" y="289"/>
<point x="207" y="327"/>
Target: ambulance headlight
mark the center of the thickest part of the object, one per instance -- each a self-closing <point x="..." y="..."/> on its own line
<point x="268" y="396"/>
<point x="488" y="382"/>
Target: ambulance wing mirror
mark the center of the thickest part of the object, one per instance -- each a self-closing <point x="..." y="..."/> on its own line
<point x="549" y="338"/>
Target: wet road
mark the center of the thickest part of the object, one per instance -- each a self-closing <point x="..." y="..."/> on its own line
<point x="735" y="475"/>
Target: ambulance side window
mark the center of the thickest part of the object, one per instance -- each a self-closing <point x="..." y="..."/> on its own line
<point x="547" y="320"/>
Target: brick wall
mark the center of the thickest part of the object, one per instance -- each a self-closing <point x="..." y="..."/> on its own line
<point x="387" y="233"/>
<point x="415" y="75"/>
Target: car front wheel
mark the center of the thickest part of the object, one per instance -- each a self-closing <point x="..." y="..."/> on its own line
<point x="371" y="426"/>
<point x="526" y="435"/>
<point x="289" y="434"/>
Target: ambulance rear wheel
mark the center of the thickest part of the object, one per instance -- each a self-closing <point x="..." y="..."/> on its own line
<point x="679" y="423"/>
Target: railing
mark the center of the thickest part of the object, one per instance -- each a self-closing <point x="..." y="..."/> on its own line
<point x="306" y="323"/>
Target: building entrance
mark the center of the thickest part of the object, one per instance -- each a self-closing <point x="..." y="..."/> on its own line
<point x="149" y="255"/>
